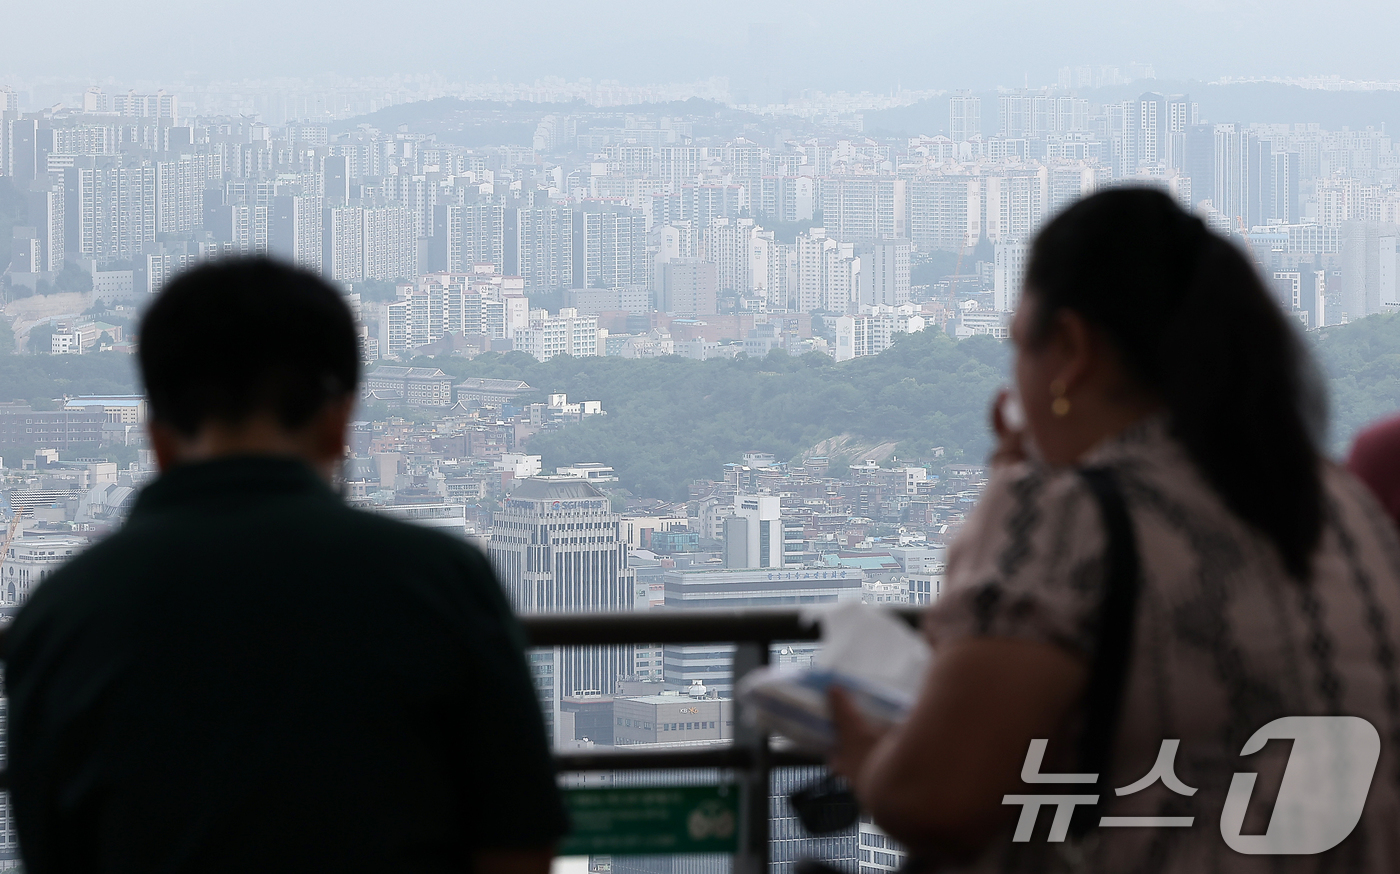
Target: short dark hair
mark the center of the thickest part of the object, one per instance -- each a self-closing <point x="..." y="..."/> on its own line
<point x="229" y="339"/>
<point x="1194" y="324"/>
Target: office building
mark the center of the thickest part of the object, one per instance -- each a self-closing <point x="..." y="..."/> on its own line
<point x="711" y="664"/>
<point x="556" y="548"/>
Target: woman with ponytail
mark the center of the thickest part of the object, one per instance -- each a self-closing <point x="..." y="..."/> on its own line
<point x="1162" y="564"/>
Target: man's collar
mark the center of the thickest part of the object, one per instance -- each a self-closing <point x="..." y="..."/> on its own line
<point x="230" y="477"/>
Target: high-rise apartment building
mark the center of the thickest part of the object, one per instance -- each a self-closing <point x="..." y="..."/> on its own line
<point x="945" y="212"/>
<point x="725" y="243"/>
<point x="46" y="216"/>
<point x="1069" y="182"/>
<point x="110" y="208"/>
<point x="1015" y="202"/>
<point x="467" y="235"/>
<point x="772" y="267"/>
<point x="687" y="286"/>
<point x="964" y="116"/>
<point x="884" y="273"/>
<point x="1150" y="131"/>
<point x="859" y="208"/>
<point x="295" y="226"/>
<point x="1008" y="274"/>
<point x="827" y="275"/>
<point x="609" y="246"/>
<point x="180" y="188"/>
<point x="391" y="244"/>
<point x="343" y="243"/>
<point x="538" y="246"/>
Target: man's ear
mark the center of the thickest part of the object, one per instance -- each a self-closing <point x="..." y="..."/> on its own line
<point x="167" y="444"/>
<point x="332" y="425"/>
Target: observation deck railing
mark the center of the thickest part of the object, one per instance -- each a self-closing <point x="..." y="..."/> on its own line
<point x="753" y="754"/>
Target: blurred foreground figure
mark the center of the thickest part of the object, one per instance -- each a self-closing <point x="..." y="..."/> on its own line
<point x="1168" y="455"/>
<point x="1375" y="459"/>
<point x="249" y="675"/>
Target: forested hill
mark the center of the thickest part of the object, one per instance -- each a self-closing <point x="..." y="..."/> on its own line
<point x="672" y="420"/>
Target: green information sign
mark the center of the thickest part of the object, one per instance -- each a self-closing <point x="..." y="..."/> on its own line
<point x="652" y="821"/>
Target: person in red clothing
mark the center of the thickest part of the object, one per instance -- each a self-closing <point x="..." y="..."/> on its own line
<point x="1375" y="460"/>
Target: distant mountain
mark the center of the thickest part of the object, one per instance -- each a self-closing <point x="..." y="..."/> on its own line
<point x="1261" y="102"/>
<point x="478" y="123"/>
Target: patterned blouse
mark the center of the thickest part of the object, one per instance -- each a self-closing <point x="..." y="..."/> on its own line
<point x="1225" y="642"/>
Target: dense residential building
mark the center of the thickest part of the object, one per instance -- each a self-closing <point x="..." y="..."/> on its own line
<point x="567" y="333"/>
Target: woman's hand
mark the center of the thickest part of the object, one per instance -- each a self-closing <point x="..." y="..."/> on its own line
<point x="1011" y="437"/>
<point x="856" y="736"/>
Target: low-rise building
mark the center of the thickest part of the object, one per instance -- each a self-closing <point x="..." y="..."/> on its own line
<point x="22" y="425"/>
<point x="481" y="392"/>
<point x="415" y="386"/>
<point x="30" y="559"/>
<point x="676" y="717"/>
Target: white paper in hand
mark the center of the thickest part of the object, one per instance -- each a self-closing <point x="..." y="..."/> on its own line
<point x="871" y="653"/>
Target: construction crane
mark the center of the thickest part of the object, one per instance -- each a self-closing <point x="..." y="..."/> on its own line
<point x="957" y="268"/>
<point x="9" y="535"/>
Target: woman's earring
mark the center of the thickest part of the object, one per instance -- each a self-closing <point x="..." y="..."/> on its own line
<point x="1060" y="405"/>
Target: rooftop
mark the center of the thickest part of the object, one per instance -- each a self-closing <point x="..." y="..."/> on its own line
<point x="482" y="383"/>
<point x="398" y="372"/>
<point x="554" y="488"/>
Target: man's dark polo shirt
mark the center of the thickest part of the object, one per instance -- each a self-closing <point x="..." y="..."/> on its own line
<point x="252" y="677"/>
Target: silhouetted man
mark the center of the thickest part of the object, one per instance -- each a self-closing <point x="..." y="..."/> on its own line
<point x="250" y="676"/>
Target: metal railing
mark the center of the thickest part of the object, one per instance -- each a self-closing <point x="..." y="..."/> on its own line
<point x="753" y="755"/>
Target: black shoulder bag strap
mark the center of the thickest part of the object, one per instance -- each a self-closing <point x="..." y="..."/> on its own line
<point x="1103" y="699"/>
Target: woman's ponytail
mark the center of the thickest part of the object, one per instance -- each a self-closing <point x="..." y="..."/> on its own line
<point x="1195" y="325"/>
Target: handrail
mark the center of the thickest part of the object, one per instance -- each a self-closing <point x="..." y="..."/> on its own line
<point x="756" y="625"/>
<point x="652" y="760"/>
<point x="753" y="754"/>
<point x="753" y="630"/>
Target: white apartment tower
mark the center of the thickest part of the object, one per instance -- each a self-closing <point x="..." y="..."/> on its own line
<point x="1008" y="274"/>
<point x="945" y="212"/>
<point x="964" y="116"/>
<point x="565" y="334"/>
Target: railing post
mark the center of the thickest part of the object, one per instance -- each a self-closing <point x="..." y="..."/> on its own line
<point x="756" y="782"/>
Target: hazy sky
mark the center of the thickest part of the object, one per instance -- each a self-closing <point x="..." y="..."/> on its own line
<point x="874" y="44"/>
